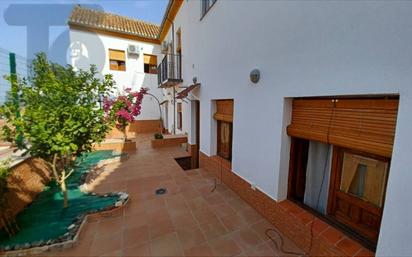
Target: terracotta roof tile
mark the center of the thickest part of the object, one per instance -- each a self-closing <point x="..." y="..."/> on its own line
<point x="111" y="22"/>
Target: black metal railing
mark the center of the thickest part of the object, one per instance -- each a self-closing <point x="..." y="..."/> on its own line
<point x="170" y="69"/>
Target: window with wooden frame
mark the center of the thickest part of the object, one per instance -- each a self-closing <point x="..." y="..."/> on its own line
<point x="150" y="63"/>
<point x="117" y="60"/>
<point x="224" y="118"/>
<point x="362" y="132"/>
<point x="179" y="116"/>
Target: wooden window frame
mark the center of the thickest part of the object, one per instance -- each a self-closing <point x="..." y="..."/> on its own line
<point x="149" y="68"/>
<point x="335" y="181"/>
<point x="118" y="66"/>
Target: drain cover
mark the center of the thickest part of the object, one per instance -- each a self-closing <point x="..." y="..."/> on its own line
<point x="161" y="191"/>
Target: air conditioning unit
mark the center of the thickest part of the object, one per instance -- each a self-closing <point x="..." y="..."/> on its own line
<point x="133" y="49"/>
<point x="165" y="46"/>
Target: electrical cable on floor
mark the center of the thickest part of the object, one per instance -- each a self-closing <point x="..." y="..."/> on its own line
<point x="280" y="246"/>
<point x="317" y="200"/>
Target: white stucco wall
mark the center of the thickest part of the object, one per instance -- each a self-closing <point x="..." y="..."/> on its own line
<point x="302" y="48"/>
<point x="95" y="50"/>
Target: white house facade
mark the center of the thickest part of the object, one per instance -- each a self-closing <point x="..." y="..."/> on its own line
<point x="350" y="61"/>
<point x="135" y="51"/>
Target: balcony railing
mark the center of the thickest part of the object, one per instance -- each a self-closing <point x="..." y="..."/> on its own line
<point x="169" y="71"/>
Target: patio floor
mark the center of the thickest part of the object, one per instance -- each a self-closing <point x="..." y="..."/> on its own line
<point x="189" y="220"/>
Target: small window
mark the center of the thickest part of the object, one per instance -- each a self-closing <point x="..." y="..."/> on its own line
<point x="117" y="60"/>
<point x="224" y="118"/>
<point x="179" y="116"/>
<point x="206" y="5"/>
<point x="150" y="63"/>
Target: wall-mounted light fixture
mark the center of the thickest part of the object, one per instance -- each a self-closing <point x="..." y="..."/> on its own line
<point x="255" y="75"/>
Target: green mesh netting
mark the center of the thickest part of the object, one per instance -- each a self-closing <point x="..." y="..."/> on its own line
<point x="46" y="218"/>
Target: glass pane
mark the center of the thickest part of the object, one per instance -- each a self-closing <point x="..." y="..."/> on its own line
<point x="364" y="177"/>
<point x="357" y="187"/>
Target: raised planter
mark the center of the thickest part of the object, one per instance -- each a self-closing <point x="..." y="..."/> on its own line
<point x="169" y="140"/>
<point x="117" y="145"/>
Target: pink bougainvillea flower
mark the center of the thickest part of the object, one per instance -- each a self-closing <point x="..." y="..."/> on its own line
<point x="123" y="109"/>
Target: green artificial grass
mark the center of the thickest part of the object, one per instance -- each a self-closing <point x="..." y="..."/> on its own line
<point x="46" y="219"/>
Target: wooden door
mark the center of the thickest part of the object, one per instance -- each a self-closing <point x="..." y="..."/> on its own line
<point x="357" y="191"/>
<point x="224" y="139"/>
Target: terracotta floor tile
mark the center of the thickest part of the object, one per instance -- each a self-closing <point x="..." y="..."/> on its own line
<point x="213" y="229"/>
<point x="288" y="246"/>
<point x="166" y="245"/>
<point x="238" y="203"/>
<point x="190" y="236"/>
<point x="233" y="222"/>
<point x="224" y="247"/>
<point x="202" y="250"/>
<point x="250" y="215"/>
<point x="136" y="236"/>
<point x="138" y="250"/>
<point x="223" y="209"/>
<point x="105" y="245"/>
<point x="348" y="246"/>
<point x="364" y="253"/>
<point x="108" y="225"/>
<point x="197" y="203"/>
<point x="162" y="227"/>
<point x="117" y="253"/>
<point x="155" y="204"/>
<point x="204" y="215"/>
<point x="184" y="220"/>
<point x="213" y="199"/>
<point x="318" y="226"/>
<point x="246" y="238"/>
<point x="89" y="230"/>
<point x="263" y="250"/>
<point x="135" y="220"/>
<point x="305" y="217"/>
<point x="332" y="235"/>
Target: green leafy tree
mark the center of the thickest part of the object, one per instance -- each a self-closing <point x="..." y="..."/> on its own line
<point x="60" y="116"/>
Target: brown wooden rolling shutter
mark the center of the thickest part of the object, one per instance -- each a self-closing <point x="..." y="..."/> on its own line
<point x="117" y="55"/>
<point x="366" y="125"/>
<point x="224" y="110"/>
<point x="150" y="59"/>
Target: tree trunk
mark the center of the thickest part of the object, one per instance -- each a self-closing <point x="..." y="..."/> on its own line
<point x="64" y="190"/>
<point x="125" y="135"/>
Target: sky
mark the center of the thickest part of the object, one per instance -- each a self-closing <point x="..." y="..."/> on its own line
<point x="15" y="14"/>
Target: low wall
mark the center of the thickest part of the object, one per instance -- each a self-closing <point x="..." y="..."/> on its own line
<point x="25" y="182"/>
<point x="138" y="126"/>
<point x="169" y="140"/>
<point x="116" y="145"/>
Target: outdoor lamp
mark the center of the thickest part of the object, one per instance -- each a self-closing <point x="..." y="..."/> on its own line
<point x="254" y="76"/>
